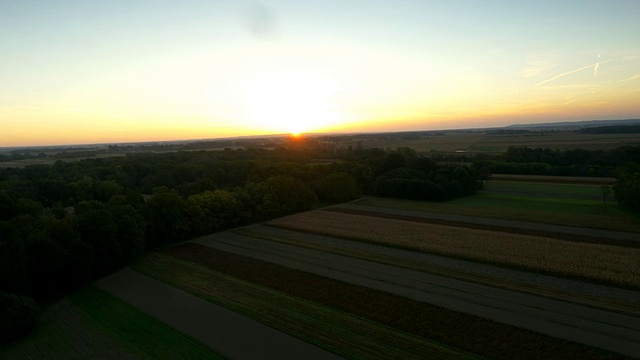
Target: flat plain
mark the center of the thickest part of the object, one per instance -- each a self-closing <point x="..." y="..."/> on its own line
<point x="376" y="278"/>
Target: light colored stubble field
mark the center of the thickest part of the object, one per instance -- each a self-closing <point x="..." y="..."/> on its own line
<point x="601" y="263"/>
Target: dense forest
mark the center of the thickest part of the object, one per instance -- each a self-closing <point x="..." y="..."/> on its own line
<point x="64" y="224"/>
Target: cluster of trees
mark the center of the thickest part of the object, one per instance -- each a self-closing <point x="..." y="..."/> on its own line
<point x="576" y="162"/>
<point x="622" y="163"/>
<point x="443" y="184"/>
<point x="64" y="224"/>
<point x="627" y="188"/>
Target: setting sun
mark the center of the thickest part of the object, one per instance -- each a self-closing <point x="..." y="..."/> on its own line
<point x="289" y="101"/>
<point x="120" y="73"/>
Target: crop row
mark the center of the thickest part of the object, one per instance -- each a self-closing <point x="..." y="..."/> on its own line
<point x="471" y="333"/>
<point x="596" y="262"/>
<point x="345" y="334"/>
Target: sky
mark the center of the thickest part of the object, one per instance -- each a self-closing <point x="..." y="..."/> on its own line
<point x="80" y="72"/>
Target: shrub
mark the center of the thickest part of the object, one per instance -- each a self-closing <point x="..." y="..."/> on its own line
<point x="18" y="317"/>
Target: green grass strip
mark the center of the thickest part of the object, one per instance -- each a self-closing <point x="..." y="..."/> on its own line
<point x="581" y="213"/>
<point x="141" y="334"/>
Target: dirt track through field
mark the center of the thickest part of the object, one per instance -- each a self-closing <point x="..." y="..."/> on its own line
<point x="225" y="331"/>
<point x="608" y="330"/>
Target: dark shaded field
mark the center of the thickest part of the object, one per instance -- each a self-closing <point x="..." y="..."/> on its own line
<point x="472" y="333"/>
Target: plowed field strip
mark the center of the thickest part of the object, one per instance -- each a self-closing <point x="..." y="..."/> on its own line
<point x="300" y="239"/>
<point x="475" y="334"/>
<point x="592" y="262"/>
<point x="579" y="238"/>
<point x="343" y="333"/>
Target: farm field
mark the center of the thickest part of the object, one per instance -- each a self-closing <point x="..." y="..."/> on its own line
<point x="551" y="203"/>
<point x="231" y="334"/>
<point x="93" y="324"/>
<point x="480" y="273"/>
<point x="49" y="161"/>
<point x="595" y="262"/>
<point x="554" y="141"/>
<point x="482" y="142"/>
<point x="346" y="335"/>
<point x="504" y="306"/>
<point x="350" y="302"/>
<point x="545" y="179"/>
<point x="330" y="283"/>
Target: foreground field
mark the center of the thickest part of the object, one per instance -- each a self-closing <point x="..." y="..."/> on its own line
<point x="342" y="333"/>
<point x="386" y="294"/>
<point x="93" y="324"/>
<point x="327" y="284"/>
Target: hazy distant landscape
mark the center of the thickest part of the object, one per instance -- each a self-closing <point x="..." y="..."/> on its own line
<point x="591" y="135"/>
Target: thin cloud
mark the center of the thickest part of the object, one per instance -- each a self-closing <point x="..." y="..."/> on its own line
<point x="596" y="65"/>
<point x="568" y="102"/>
<point x="634" y="77"/>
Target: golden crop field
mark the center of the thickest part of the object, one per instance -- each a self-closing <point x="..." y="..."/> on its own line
<point x="605" y="263"/>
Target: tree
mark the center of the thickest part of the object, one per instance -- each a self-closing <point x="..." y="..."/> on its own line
<point x="483" y="170"/>
<point x="627" y="190"/>
<point x="165" y="213"/>
<point x="211" y="211"/>
<point x="338" y="187"/>
<point x="7" y="206"/>
<point x="280" y="195"/>
<point x="98" y="228"/>
<point x="606" y="192"/>
<point x="18" y="317"/>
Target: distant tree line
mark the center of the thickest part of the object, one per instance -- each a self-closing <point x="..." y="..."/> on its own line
<point x="612" y="129"/>
<point x="622" y="163"/>
<point x="627" y="188"/>
<point x="575" y="162"/>
<point x="64" y="224"/>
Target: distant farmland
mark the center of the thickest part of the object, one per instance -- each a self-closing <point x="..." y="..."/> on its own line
<point x="483" y="142"/>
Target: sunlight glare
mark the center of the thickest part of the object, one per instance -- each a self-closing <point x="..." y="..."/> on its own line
<point x="291" y="102"/>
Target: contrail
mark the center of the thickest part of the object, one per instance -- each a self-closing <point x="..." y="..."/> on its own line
<point x="636" y="76"/>
<point x="595" y="66"/>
